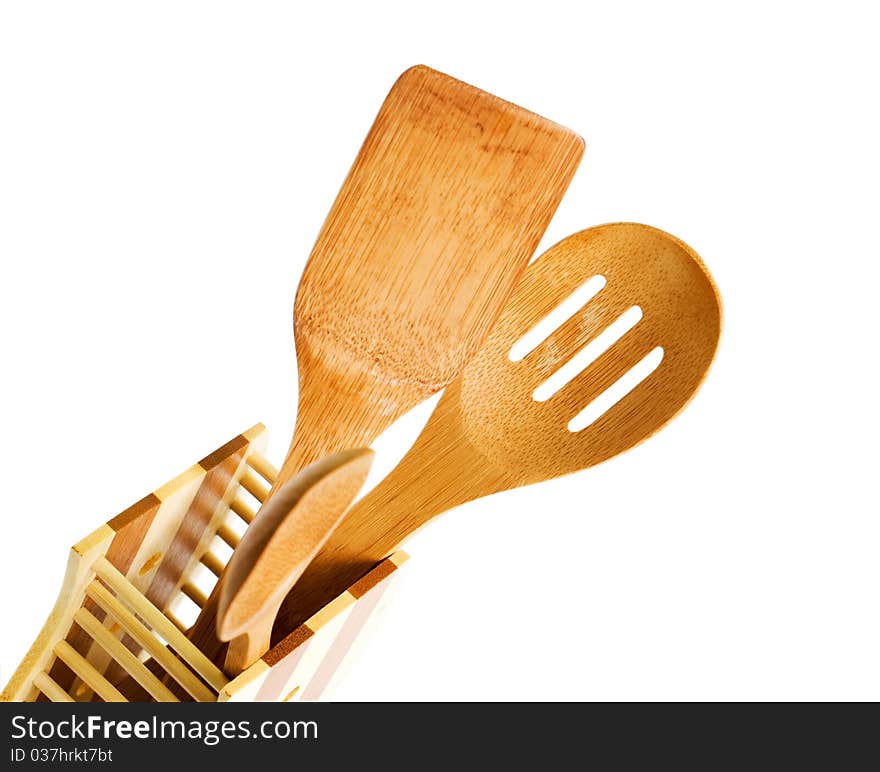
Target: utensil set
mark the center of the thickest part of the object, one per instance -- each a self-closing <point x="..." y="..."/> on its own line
<point x="418" y="282"/>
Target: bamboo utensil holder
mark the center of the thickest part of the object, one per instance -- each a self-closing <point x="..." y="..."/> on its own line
<point x="119" y="615"/>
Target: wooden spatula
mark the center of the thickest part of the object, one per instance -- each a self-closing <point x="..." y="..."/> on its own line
<point x="445" y="204"/>
<point x="442" y="209"/>
<point x="278" y="546"/>
<point x="498" y="426"/>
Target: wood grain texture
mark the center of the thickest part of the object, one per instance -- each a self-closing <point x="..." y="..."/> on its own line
<point x="102" y="608"/>
<point x="278" y="546"/>
<point x="442" y="209"/>
<point x="134" y="543"/>
<point x="154" y="617"/>
<point x="163" y="660"/>
<point x="193" y="508"/>
<point x="130" y="527"/>
<point x="39" y="658"/>
<point x="129" y="621"/>
<point x="488" y="434"/>
<point x="197" y="527"/>
<point x="307" y="661"/>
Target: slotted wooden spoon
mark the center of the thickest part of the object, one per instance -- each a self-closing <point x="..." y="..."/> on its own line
<point x="488" y="434"/>
<point x="278" y="546"/>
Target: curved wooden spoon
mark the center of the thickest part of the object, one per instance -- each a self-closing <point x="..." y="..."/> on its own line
<point x="278" y="546"/>
<point x="488" y="433"/>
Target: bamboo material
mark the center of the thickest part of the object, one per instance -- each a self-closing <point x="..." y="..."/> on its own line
<point x="277" y="547"/>
<point x="305" y="664"/>
<point x="253" y="486"/>
<point x="228" y="535"/>
<point x="136" y="629"/>
<point x="157" y="620"/>
<point x="488" y="433"/>
<point x="262" y="467"/>
<point x="129" y="662"/>
<point x="157" y="544"/>
<point x="194" y="594"/>
<point x="242" y="510"/>
<point x="441" y="211"/>
<point x="171" y="617"/>
<point x="51" y="689"/>
<point x="84" y="670"/>
<point x="445" y="203"/>
<point x="210" y="561"/>
<point x="40" y="658"/>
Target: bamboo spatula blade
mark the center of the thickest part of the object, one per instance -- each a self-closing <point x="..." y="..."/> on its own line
<point x="442" y="209"/>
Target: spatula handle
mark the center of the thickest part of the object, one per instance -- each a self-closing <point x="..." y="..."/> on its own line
<point x="337" y="409"/>
<point x="428" y="481"/>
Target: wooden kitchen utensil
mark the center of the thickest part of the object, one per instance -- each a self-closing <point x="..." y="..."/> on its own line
<point x="504" y="423"/>
<point x="278" y="546"/>
<point x="132" y="587"/>
<point x="445" y="204"/>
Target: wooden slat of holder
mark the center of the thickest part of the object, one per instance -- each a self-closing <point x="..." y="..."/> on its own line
<point x="121" y="601"/>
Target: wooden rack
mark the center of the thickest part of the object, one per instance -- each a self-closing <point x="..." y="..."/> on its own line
<point x="135" y="584"/>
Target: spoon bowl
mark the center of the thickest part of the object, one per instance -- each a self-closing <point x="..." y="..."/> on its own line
<point x="677" y="311"/>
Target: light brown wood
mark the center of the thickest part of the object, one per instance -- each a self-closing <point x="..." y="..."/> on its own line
<point x="39" y="657"/>
<point x="227" y="535"/>
<point x="290" y="670"/>
<point x="160" y="623"/>
<point x="262" y="467"/>
<point x="188" y="512"/>
<point x="440" y="213"/>
<point x="445" y="203"/>
<point x="210" y="561"/>
<point x="87" y="672"/>
<point x="488" y="434"/>
<point x="194" y="594"/>
<point x="155" y="543"/>
<point x="93" y="645"/>
<point x="137" y="630"/>
<point x="122" y="656"/>
<point x="242" y="510"/>
<point x="277" y="547"/>
<point x="254" y="486"/>
<point x="51" y="689"/>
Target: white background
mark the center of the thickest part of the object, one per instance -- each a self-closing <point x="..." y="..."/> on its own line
<point x="164" y="169"/>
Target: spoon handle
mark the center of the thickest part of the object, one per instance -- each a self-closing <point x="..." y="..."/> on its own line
<point x="282" y="539"/>
<point x="442" y="470"/>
